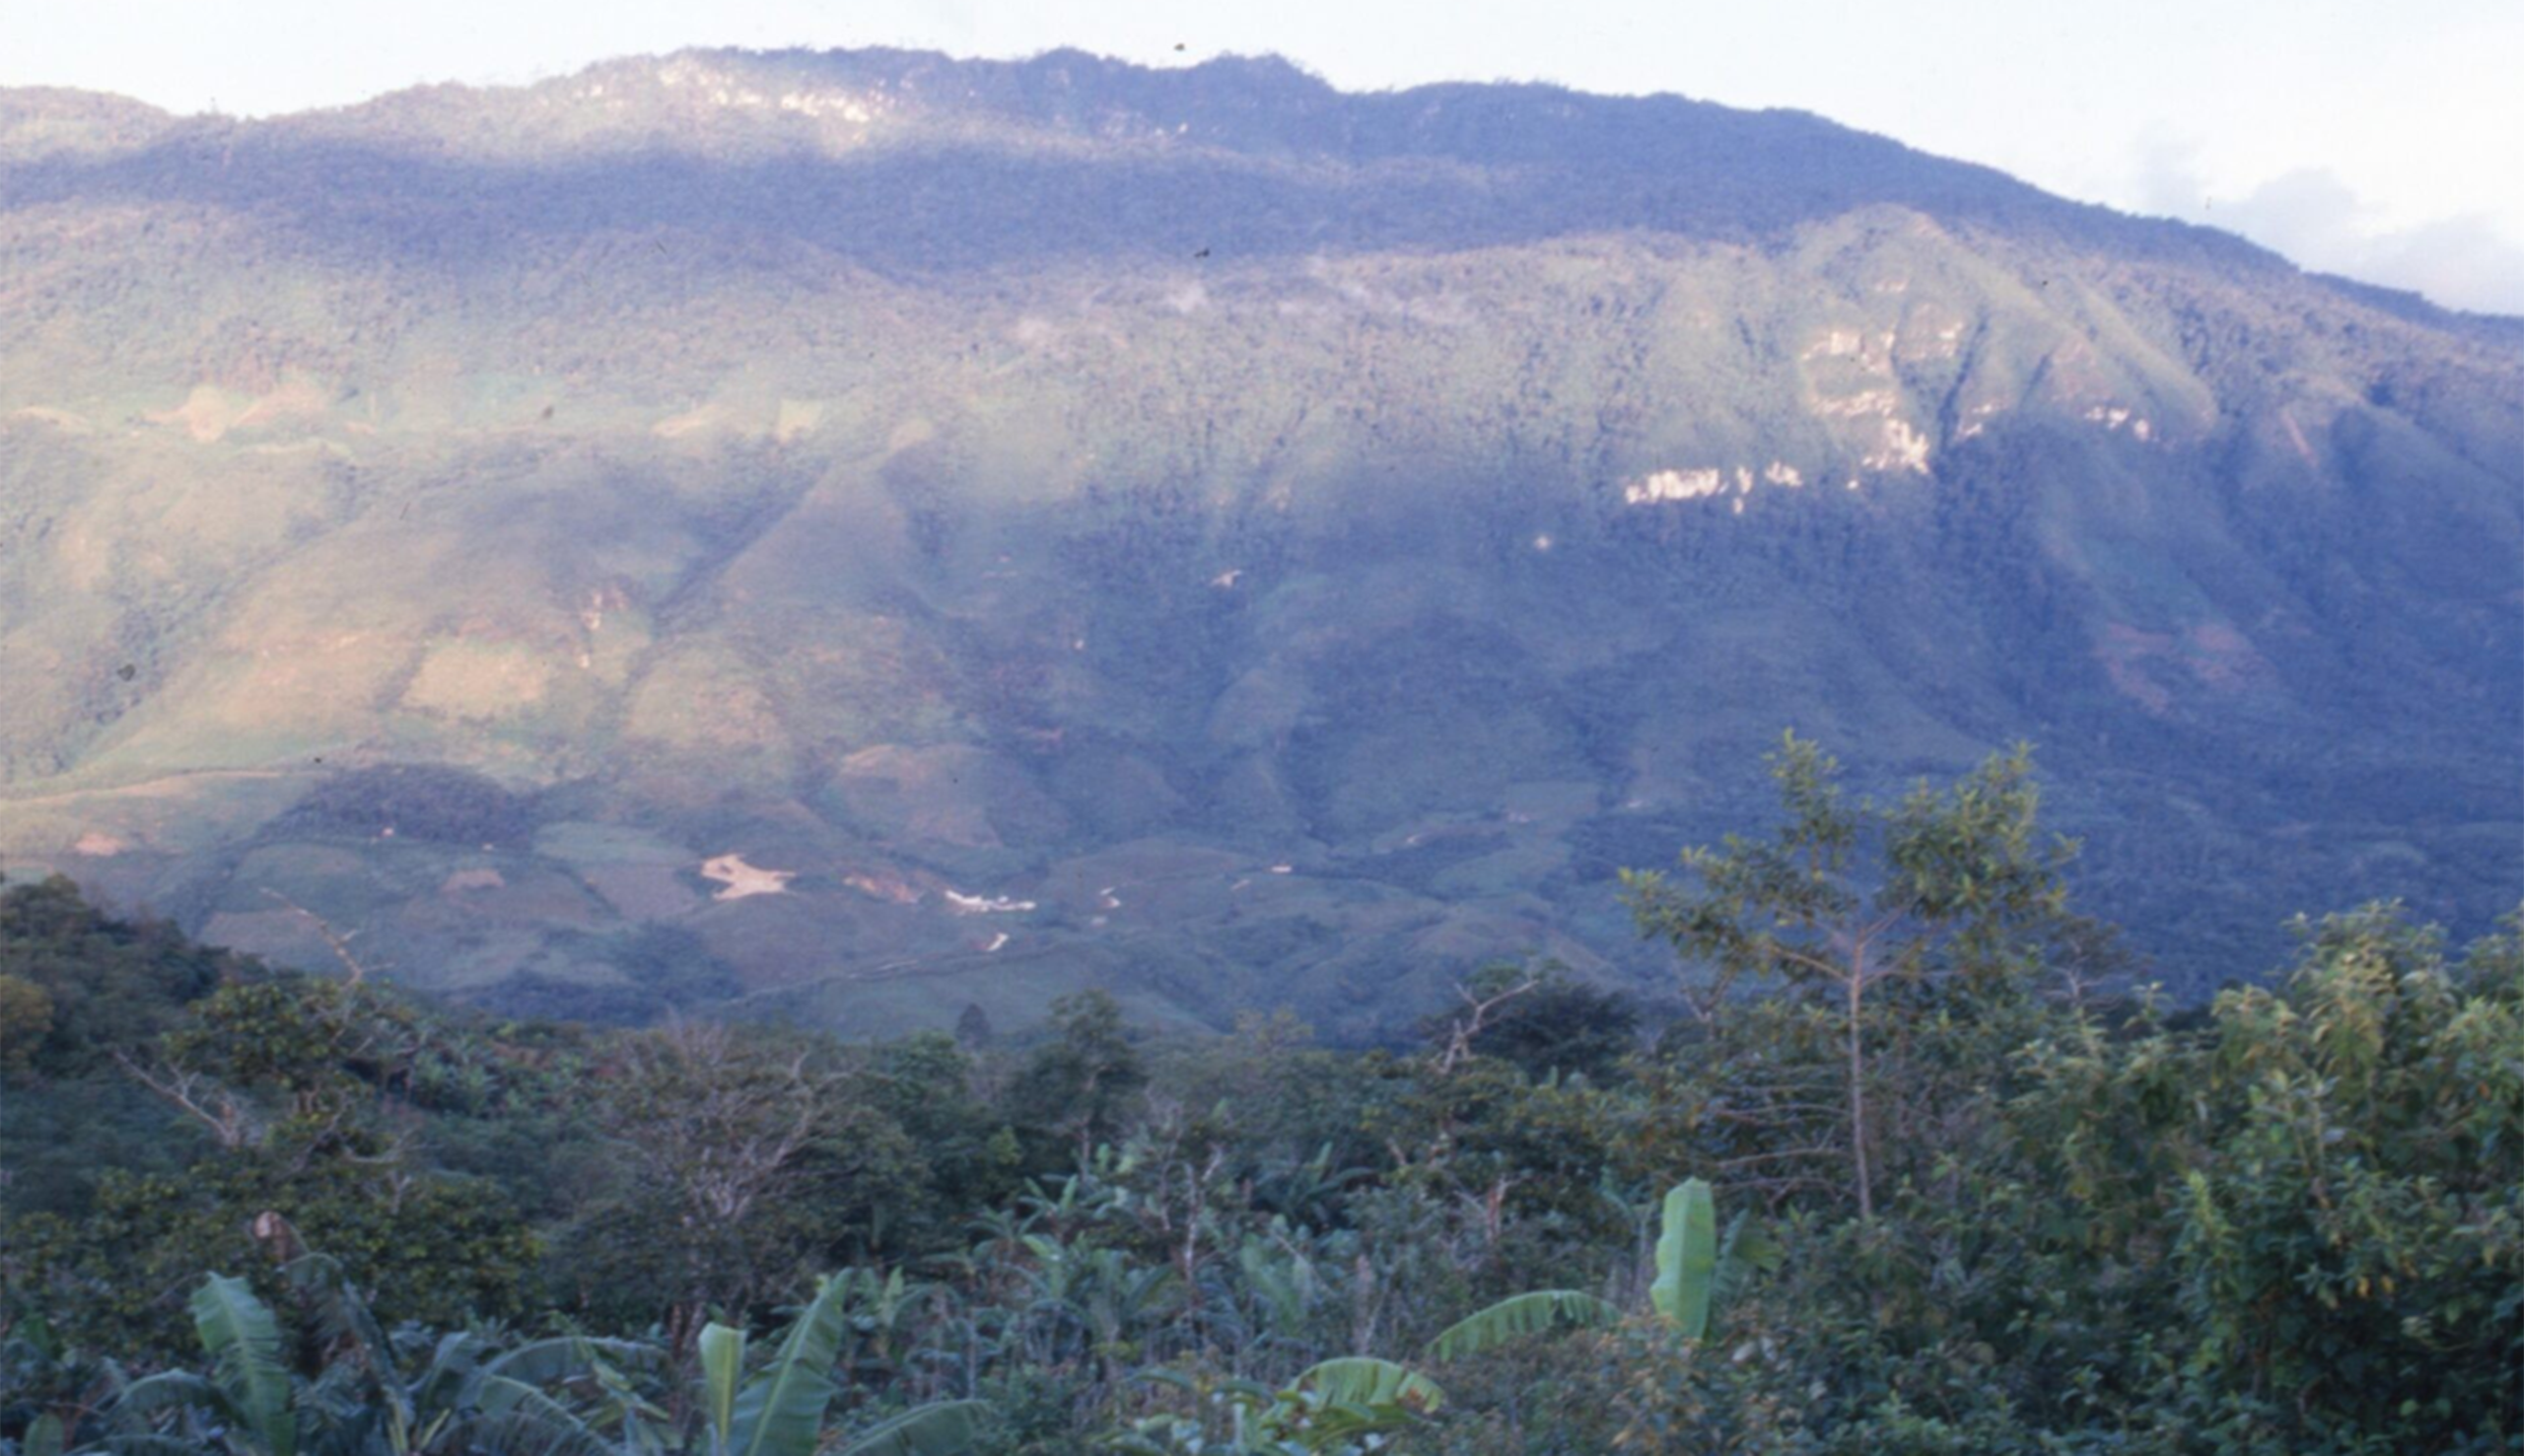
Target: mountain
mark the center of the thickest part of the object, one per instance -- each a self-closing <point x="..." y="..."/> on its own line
<point x="849" y="536"/>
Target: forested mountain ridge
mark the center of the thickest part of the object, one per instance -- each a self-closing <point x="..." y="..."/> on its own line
<point x="870" y="534"/>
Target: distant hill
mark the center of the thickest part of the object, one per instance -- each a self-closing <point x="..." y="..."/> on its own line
<point x="847" y="536"/>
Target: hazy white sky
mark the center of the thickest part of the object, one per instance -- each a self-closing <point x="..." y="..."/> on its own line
<point x="2381" y="140"/>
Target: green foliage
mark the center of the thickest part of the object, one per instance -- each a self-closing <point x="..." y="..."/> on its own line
<point x="1561" y="1025"/>
<point x="723" y="1359"/>
<point x="2325" y="1181"/>
<point x="1687" y="1259"/>
<point x="1518" y="1317"/>
<point x="739" y="1162"/>
<point x="446" y="1249"/>
<point x="427" y="801"/>
<point x="26" y="1022"/>
<point x="1081" y="1081"/>
<point x="940" y="1428"/>
<point x="1359" y="1380"/>
<point x="926" y="1085"/>
<point x="1336" y="1408"/>
<point x="2285" y="1222"/>
<point x="100" y="982"/>
<point x="780" y="1410"/>
<point x="353" y="1394"/>
<point x="243" y="1341"/>
<point x="1945" y="894"/>
<point x="292" y="1083"/>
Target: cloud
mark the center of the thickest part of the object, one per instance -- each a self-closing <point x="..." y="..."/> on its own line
<point x="2318" y="221"/>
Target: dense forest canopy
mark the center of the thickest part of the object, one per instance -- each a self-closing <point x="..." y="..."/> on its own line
<point x="1911" y="1166"/>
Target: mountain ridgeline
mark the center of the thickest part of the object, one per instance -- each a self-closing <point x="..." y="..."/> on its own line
<point x="855" y="537"/>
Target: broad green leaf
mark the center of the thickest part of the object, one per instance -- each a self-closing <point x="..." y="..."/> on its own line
<point x="1687" y="1258"/>
<point x="525" y="1434"/>
<point x="1518" y="1316"/>
<point x="722" y="1362"/>
<point x="167" y="1390"/>
<point x="243" y="1341"/>
<point x="942" y="1429"/>
<point x="567" y="1357"/>
<point x="344" y="1317"/>
<point x="1362" y="1380"/>
<point x="781" y="1411"/>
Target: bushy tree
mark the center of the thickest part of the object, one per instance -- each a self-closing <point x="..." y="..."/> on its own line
<point x="86" y="982"/>
<point x="1545" y="1022"/>
<point x="1874" y="916"/>
<point x="2317" y="1197"/>
<point x="25" y="1023"/>
<point x="289" y="1085"/>
<point x="740" y="1161"/>
<point x="1083" y="1081"/>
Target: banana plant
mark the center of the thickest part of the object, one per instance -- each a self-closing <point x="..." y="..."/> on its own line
<point x="1695" y="1269"/>
<point x="55" y="1395"/>
<point x="45" y="1436"/>
<point x="1521" y="1316"/>
<point x="249" y="1397"/>
<point x="1354" y="1404"/>
<point x="1307" y="1192"/>
<point x="780" y="1410"/>
<point x="1365" y="1381"/>
<point x="469" y="1395"/>
<point x="1347" y="1407"/>
<point x="1698" y="1267"/>
<point x="1687" y="1259"/>
<point x="1280" y="1284"/>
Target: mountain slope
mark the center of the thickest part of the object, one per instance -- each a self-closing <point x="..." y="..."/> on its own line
<point x="867" y="533"/>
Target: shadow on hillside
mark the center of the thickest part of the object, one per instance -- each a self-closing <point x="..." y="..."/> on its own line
<point x="1472" y="167"/>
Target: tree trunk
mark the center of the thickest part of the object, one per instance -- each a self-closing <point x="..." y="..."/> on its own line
<point x="1857" y="1086"/>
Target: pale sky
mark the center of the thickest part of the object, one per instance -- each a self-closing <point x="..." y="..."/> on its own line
<point x="2381" y="140"/>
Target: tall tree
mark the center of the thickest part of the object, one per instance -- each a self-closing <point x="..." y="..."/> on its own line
<point x="1083" y="1080"/>
<point x="1847" y="901"/>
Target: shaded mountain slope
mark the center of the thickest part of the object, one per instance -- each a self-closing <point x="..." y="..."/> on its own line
<point x="862" y="534"/>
